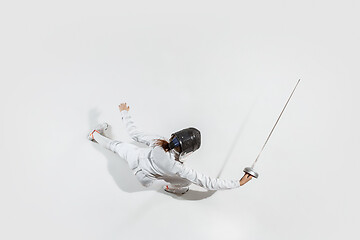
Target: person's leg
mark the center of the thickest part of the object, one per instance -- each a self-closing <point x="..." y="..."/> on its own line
<point x="128" y="152"/>
<point x="97" y="135"/>
<point x="102" y="140"/>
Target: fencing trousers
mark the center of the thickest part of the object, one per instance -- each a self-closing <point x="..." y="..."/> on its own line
<point x="133" y="155"/>
<point x="126" y="151"/>
<point x="130" y="153"/>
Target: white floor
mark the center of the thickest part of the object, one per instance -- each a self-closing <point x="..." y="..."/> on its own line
<point x="226" y="68"/>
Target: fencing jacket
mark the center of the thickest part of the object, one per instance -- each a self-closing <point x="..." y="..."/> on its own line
<point x="156" y="164"/>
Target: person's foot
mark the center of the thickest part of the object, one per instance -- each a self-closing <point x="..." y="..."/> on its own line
<point x="175" y="190"/>
<point x="99" y="129"/>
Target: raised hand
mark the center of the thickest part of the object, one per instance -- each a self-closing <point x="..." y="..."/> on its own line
<point x="123" y="107"/>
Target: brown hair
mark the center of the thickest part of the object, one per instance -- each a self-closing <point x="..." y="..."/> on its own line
<point x="163" y="143"/>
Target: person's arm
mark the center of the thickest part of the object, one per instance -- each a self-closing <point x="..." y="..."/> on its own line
<point x="208" y="182"/>
<point x="133" y="131"/>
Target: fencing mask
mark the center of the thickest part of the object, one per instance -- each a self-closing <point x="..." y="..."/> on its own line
<point x="189" y="140"/>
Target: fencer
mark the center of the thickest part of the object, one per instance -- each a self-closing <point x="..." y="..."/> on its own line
<point x="162" y="159"/>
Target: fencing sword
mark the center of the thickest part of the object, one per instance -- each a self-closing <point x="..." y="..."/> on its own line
<point x="250" y="170"/>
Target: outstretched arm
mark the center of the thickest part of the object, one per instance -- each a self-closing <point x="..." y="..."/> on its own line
<point x="133" y="131"/>
<point x="208" y="182"/>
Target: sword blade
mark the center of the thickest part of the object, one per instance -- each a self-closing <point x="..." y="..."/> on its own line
<point x="275" y="125"/>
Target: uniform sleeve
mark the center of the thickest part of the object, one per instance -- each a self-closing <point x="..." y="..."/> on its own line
<point x="134" y="132"/>
<point x="205" y="181"/>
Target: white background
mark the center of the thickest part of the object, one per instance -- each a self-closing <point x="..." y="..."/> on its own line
<point x="224" y="67"/>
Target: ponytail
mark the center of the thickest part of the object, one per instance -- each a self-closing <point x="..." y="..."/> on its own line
<point x="163" y="143"/>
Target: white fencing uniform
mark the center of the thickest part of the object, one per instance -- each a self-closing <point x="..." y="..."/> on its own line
<point x="153" y="163"/>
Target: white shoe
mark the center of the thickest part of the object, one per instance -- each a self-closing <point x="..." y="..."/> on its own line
<point x="99" y="128"/>
<point x="175" y="190"/>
